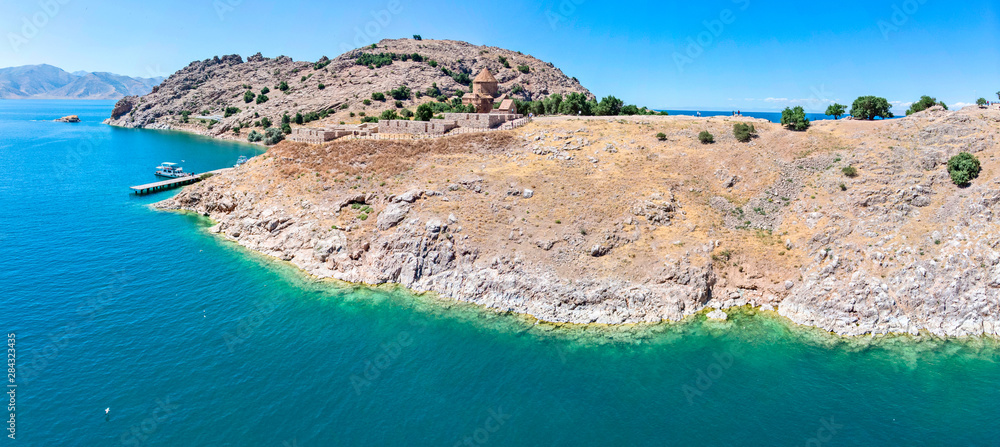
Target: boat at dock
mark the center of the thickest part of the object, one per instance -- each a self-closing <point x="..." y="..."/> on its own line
<point x="171" y="170"/>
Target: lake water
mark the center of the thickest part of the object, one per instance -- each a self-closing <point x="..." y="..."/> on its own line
<point x="774" y="117"/>
<point x="191" y="340"/>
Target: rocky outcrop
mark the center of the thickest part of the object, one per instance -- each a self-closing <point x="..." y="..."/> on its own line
<point x="646" y="233"/>
<point x="69" y="119"/>
<point x="124" y="106"/>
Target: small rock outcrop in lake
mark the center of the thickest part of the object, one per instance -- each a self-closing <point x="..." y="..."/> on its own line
<point x="651" y="231"/>
<point x="69" y="119"/>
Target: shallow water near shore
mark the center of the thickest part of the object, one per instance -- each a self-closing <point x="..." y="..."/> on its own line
<point x="193" y="340"/>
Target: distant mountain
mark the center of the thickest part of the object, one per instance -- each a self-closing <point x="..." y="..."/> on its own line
<point x="48" y="82"/>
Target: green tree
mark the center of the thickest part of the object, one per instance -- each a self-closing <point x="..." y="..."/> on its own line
<point x="283" y="86"/>
<point x="265" y="122"/>
<point x="609" y="106"/>
<point x="402" y="92"/>
<point x="272" y="136"/>
<point x="286" y="128"/>
<point x="230" y="111"/>
<point x="417" y="37"/>
<point x="552" y="104"/>
<point x="248" y="96"/>
<point x="298" y="118"/>
<point x="265" y="91"/>
<point x="630" y="110"/>
<point x="262" y="98"/>
<point x="389" y="115"/>
<point x="424" y="112"/>
<point x="836" y="111"/>
<point x="255" y="136"/>
<point x="794" y="119"/>
<point x="378" y="96"/>
<point x="523" y="68"/>
<point x="661" y="136"/>
<point x="963" y="168"/>
<point x="981" y="102"/>
<point x="871" y="107"/>
<point x="574" y="104"/>
<point x="925" y="102"/>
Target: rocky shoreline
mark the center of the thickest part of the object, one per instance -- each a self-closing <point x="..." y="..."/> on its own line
<point x="569" y="221"/>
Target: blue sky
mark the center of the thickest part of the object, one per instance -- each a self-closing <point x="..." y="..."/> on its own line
<point x="721" y="55"/>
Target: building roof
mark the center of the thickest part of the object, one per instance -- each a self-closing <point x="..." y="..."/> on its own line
<point x="507" y="104"/>
<point x="485" y="77"/>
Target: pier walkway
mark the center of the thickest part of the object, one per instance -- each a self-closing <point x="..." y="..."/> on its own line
<point x="172" y="183"/>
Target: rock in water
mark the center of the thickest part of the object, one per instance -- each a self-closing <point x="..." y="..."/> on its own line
<point x="69" y="119"/>
<point x="717" y="314"/>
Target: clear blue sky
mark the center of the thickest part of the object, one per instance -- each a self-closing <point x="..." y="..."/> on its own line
<point x="767" y="56"/>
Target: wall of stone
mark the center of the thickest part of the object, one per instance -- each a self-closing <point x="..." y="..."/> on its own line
<point x="480" y="120"/>
<point x="435" y="127"/>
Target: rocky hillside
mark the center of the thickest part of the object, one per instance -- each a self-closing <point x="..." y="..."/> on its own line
<point x="48" y="82"/>
<point x="597" y="221"/>
<point x="338" y="87"/>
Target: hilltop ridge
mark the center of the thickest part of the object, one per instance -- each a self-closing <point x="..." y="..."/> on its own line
<point x="334" y="87"/>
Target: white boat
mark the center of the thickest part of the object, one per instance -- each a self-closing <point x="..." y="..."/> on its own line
<point x="171" y="170"/>
<point x="240" y="161"/>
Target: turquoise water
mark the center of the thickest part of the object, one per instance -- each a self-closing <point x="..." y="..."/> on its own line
<point x="191" y="340"/>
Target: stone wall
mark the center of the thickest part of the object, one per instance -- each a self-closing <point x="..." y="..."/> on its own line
<point x="435" y="127"/>
<point x="480" y="120"/>
<point x="313" y="135"/>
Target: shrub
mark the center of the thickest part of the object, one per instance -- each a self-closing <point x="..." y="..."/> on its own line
<point x="503" y="61"/>
<point x="389" y="115"/>
<point x="283" y="86"/>
<point x="230" y="111"/>
<point x="272" y="136"/>
<point x="523" y="68"/>
<point x="981" y="102"/>
<point x="378" y="96"/>
<point x="265" y="91"/>
<point x="661" y="136"/>
<point x="417" y="37"/>
<point x="963" y="168"/>
<point x="298" y="118"/>
<point x="705" y="137"/>
<point x="286" y="128"/>
<point x="248" y="96"/>
<point x="406" y="114"/>
<point x="321" y="63"/>
<point x="630" y="110"/>
<point x="849" y="171"/>
<point x="375" y="60"/>
<point x="265" y="122"/>
<point x="925" y="102"/>
<point x="367" y="102"/>
<point x="609" y="106"/>
<point x="871" y="107"/>
<point x="517" y="88"/>
<point x="399" y="104"/>
<point x="743" y="132"/>
<point x="303" y="79"/>
<point x="321" y="86"/>
<point x="401" y="92"/>
<point x="836" y="111"/>
<point x="794" y="119"/>
<point x="432" y="63"/>
<point x="262" y="98"/>
<point x="424" y="112"/>
<point x="285" y="119"/>
<point x="255" y="136"/>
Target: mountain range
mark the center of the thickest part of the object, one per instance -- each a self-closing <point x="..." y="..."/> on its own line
<point x="48" y="82"/>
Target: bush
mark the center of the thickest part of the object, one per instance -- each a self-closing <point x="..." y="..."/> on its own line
<point x="925" y="102"/>
<point x="399" y="104"/>
<point x="375" y="60"/>
<point x="424" y="112"/>
<point x="389" y="115"/>
<point x="705" y="137"/>
<point x="503" y="61"/>
<point x="417" y="37"/>
<point x="378" y="96"/>
<point x="230" y="111"/>
<point x="963" y="168"/>
<point x="849" y="171"/>
<point x="248" y="96"/>
<point x="286" y="128"/>
<point x="265" y="91"/>
<point x="523" y="68"/>
<point x="298" y="118"/>
<point x="255" y="136"/>
<point x="661" y="136"/>
<point x="265" y="122"/>
<point x="283" y="86"/>
<point x="406" y="114"/>
<point x="272" y="136"/>
<point x="432" y="63"/>
<point x="321" y="86"/>
<point x="743" y="132"/>
<point x="262" y="98"/>
<point x="871" y="107"/>
<point x="609" y="106"/>
<point x="981" y="102"/>
<point x="402" y="92"/>
<point x="794" y="119"/>
<point x="321" y="63"/>
<point x="367" y="102"/>
<point x="836" y="111"/>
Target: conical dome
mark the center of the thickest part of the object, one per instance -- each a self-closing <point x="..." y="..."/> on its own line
<point x="485" y="77"/>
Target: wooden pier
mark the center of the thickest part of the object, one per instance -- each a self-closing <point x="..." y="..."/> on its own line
<point x="172" y="183"/>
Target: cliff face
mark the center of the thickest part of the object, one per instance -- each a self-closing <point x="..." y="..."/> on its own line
<point x="596" y="221"/>
<point x="215" y="84"/>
